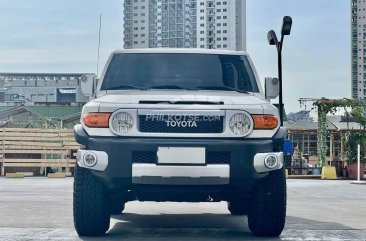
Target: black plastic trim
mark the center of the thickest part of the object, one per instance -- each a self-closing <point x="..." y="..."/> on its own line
<point x="81" y="136"/>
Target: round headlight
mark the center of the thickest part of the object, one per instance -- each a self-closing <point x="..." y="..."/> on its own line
<point x="122" y="123"/>
<point x="240" y="124"/>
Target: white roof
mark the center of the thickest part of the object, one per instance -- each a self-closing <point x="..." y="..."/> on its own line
<point x="341" y="126"/>
<point x="180" y="51"/>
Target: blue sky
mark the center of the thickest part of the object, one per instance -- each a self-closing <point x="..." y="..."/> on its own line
<point x="62" y="36"/>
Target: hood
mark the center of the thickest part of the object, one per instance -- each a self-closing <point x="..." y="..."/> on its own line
<point x="172" y="96"/>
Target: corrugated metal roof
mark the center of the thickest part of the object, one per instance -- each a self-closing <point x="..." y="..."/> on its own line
<point x="302" y="125"/>
<point x="50" y="112"/>
<point x="347" y="126"/>
<point x="2" y="108"/>
<point x="332" y="125"/>
<point x="45" y="74"/>
<point x="55" y="111"/>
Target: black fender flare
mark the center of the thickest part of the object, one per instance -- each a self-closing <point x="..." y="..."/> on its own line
<point x="80" y="134"/>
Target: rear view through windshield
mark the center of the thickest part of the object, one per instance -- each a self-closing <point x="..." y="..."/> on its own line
<point x="180" y="71"/>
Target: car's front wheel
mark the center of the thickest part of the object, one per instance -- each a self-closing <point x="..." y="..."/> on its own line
<point x="237" y="207"/>
<point x="116" y="207"/>
<point x="267" y="213"/>
<point x="91" y="213"/>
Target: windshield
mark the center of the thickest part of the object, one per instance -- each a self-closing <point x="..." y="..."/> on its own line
<point x="180" y="71"/>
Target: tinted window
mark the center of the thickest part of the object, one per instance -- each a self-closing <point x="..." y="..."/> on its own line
<point x="187" y="71"/>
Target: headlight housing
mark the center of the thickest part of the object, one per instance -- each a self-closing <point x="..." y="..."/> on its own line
<point x="121" y="123"/>
<point x="241" y="124"/>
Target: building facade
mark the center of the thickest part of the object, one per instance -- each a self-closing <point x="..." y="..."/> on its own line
<point x="358" y="22"/>
<point x="41" y="89"/>
<point x="212" y="24"/>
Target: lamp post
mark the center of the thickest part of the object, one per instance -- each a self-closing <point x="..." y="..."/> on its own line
<point x="272" y="39"/>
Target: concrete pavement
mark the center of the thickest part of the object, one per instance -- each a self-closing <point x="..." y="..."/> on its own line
<point x="41" y="209"/>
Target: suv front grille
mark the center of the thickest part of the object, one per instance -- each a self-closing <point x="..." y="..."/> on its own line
<point x="162" y="126"/>
<point x="146" y="157"/>
<point x="218" y="158"/>
<point x="150" y="157"/>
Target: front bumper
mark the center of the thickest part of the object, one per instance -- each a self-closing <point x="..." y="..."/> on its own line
<point x="116" y="168"/>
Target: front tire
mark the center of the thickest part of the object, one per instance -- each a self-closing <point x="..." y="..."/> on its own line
<point x="91" y="215"/>
<point x="116" y="207"/>
<point x="237" y="208"/>
<point x="267" y="214"/>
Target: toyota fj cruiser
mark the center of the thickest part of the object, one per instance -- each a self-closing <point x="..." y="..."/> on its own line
<point x="182" y="125"/>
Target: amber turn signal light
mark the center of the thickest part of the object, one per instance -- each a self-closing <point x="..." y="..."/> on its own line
<point x="265" y="122"/>
<point x="98" y="120"/>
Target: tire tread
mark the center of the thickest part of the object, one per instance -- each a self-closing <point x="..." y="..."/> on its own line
<point x="91" y="216"/>
<point x="267" y="214"/>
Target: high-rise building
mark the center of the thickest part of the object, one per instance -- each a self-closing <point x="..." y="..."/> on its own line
<point x="358" y="22"/>
<point x="212" y="24"/>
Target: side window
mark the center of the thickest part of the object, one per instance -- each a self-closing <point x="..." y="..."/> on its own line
<point x="238" y="74"/>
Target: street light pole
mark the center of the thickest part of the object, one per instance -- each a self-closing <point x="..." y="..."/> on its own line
<point x="279" y="52"/>
<point x="272" y="39"/>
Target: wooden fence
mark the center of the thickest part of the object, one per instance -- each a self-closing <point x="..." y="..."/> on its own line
<point x="37" y="148"/>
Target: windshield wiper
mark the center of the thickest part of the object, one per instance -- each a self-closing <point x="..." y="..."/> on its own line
<point x="221" y="88"/>
<point x="125" y="87"/>
<point x="169" y="87"/>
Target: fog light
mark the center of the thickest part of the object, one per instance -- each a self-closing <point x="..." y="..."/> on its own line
<point x="90" y="159"/>
<point x="271" y="161"/>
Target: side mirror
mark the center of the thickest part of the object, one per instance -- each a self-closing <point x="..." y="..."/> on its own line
<point x="88" y="85"/>
<point x="272" y="88"/>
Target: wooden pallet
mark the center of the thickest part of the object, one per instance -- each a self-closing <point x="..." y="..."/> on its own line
<point x="22" y="147"/>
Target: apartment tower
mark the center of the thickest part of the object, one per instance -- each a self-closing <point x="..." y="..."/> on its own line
<point x="211" y="24"/>
<point x="358" y="21"/>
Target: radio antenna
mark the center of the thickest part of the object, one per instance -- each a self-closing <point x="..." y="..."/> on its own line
<point x="100" y="30"/>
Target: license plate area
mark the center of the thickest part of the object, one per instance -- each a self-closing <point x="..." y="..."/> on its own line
<point x="182" y="155"/>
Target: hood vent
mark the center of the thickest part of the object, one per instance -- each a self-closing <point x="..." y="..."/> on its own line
<point x="149" y="102"/>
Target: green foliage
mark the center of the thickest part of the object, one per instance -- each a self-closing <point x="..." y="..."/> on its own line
<point x="358" y="113"/>
<point x="322" y="135"/>
<point x="352" y="138"/>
